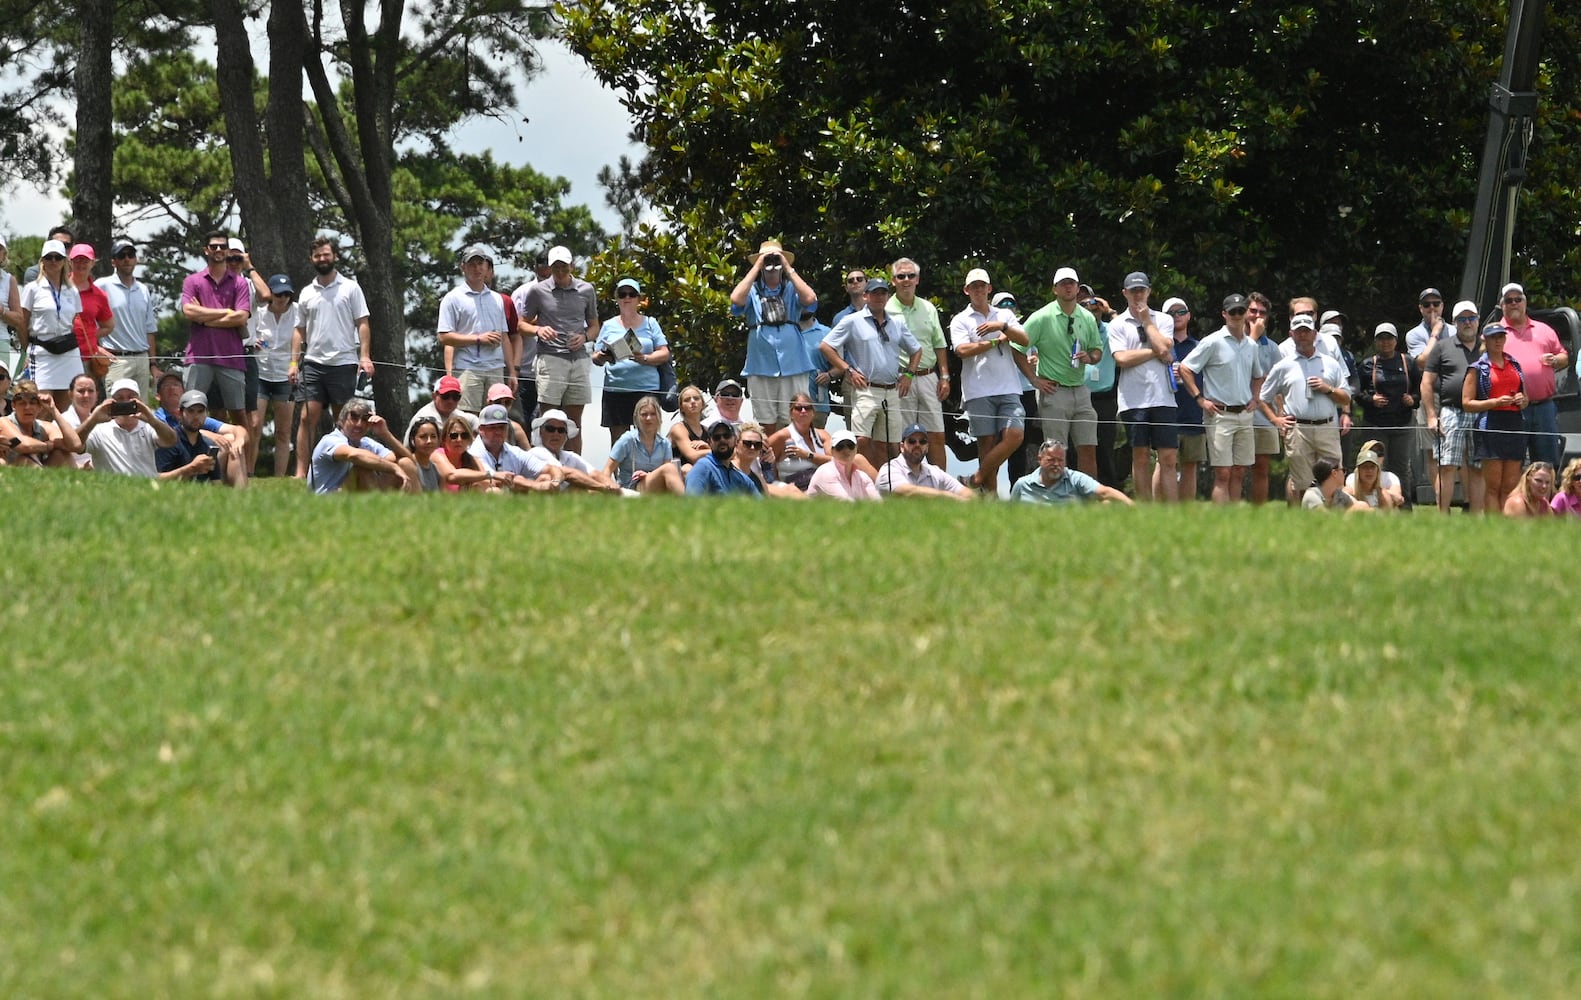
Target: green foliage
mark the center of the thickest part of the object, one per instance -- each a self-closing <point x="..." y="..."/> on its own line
<point x="1324" y="147"/>
<point x="781" y="771"/>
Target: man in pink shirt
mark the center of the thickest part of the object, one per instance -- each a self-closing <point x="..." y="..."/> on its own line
<point x="218" y="304"/>
<point x="1536" y="348"/>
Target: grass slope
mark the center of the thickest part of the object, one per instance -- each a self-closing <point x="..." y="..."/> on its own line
<point x="274" y="745"/>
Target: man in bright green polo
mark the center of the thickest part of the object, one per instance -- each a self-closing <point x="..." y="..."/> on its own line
<point x="1068" y="346"/>
<point x="930" y="384"/>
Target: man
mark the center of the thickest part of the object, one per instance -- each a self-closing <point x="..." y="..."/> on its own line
<point x="1065" y="339"/>
<point x="771" y="297"/>
<point x="337" y="341"/>
<point x="359" y="454"/>
<point x="1265" y="436"/>
<point x="561" y="312"/>
<point x="35" y="435"/>
<point x="239" y="262"/>
<point x="474" y="333"/>
<point x="1142" y="342"/>
<point x="818" y="379"/>
<point x="550" y="432"/>
<point x="856" y="292"/>
<point x="862" y="351"/>
<point x="1188" y="415"/>
<point x="990" y="378"/>
<point x="1389" y="387"/>
<point x="122" y="434"/>
<point x="131" y="340"/>
<point x="218" y="304"/>
<point x="1418" y="340"/>
<point x="229" y="438"/>
<point x="1231" y="372"/>
<point x="912" y="475"/>
<point x="727" y="403"/>
<point x="1103" y="383"/>
<point x="501" y="395"/>
<point x="1302" y="396"/>
<point x="510" y="467"/>
<point x="930" y="383"/>
<point x="715" y="472"/>
<point x="194" y="456"/>
<point x="1054" y="483"/>
<point x="1444" y="368"/>
<point x="1536" y="348"/>
<point x="526" y="343"/>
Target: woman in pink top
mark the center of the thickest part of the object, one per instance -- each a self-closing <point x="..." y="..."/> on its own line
<point x="841" y="478"/>
<point x="1567" y="492"/>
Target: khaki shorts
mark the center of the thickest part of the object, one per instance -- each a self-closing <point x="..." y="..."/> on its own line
<point x="1193" y="449"/>
<point x="1229" y="439"/>
<point x="868" y="415"/>
<point x="921" y="404"/>
<point x="475" y="385"/>
<point x="563" y="381"/>
<point x="1067" y="415"/>
<point x="1265" y="440"/>
<point x="771" y="396"/>
<point x="1308" y="443"/>
<point x="134" y="367"/>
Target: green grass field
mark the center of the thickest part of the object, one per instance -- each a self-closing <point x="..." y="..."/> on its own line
<point x="282" y="746"/>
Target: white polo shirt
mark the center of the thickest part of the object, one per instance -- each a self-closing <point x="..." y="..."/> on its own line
<point x="330" y="315"/>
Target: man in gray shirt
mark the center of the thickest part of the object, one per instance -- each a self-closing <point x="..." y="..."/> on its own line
<point x="561" y="312"/>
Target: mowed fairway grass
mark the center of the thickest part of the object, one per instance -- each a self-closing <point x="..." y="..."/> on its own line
<point x="271" y="745"/>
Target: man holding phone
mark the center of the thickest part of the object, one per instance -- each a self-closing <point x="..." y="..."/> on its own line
<point x="122" y="433"/>
<point x="194" y="456"/>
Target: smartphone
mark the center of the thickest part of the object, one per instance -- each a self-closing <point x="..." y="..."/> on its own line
<point x="126" y="409"/>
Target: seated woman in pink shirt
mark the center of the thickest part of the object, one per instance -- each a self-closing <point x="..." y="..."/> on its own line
<point x="1567" y="493"/>
<point x="841" y="478"/>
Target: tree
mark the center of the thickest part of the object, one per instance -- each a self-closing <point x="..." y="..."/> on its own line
<point x="1297" y="147"/>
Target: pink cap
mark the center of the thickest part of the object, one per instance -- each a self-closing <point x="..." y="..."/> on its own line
<point x="82" y="250"/>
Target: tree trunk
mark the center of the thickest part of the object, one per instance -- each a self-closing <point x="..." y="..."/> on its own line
<point x="285" y="119"/>
<point x="233" y="71"/>
<point x="91" y="200"/>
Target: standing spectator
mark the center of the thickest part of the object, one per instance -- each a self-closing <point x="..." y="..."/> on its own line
<point x="61" y="233"/>
<point x="1141" y="340"/>
<point x="131" y="341"/>
<point x="1495" y="390"/>
<point x="1232" y="377"/>
<point x="1302" y="396"/>
<point x="1265" y="437"/>
<point x="771" y="297"/>
<point x="1418" y="340"/>
<point x="122" y="434"/>
<point x="332" y="342"/>
<point x="474" y="332"/>
<point x="50" y="305"/>
<point x="359" y="454"/>
<point x="1104" y="386"/>
<point x="1056" y="483"/>
<point x="561" y="311"/>
<point x="1188" y="415"/>
<point x="240" y="263"/>
<point x="856" y="292"/>
<point x="218" y="303"/>
<point x="1536" y="349"/>
<point x="10" y="296"/>
<point x="990" y="377"/>
<point x="862" y="351"/>
<point x="1066" y="340"/>
<point x="930" y="383"/>
<point x="272" y="330"/>
<point x="1390" y="385"/>
<point x="1444" y="370"/>
<point x="818" y="379"/>
<point x="633" y="347"/>
<point x="95" y="319"/>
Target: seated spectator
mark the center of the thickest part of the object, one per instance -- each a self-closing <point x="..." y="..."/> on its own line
<point x="84" y="397"/>
<point x="910" y="474"/>
<point x="194" y="456"/>
<point x="1567" y="500"/>
<point x="753" y="458"/>
<point x="359" y="455"/>
<point x="231" y="439"/>
<point x="5" y="394"/>
<point x="689" y="435"/>
<point x="840" y="478"/>
<point x="445" y="404"/>
<point x="1327" y="491"/>
<point x="35" y="436"/>
<point x="459" y="468"/>
<point x="505" y="466"/>
<point x="641" y="459"/>
<point x="1056" y="483"/>
<point x="1368" y="483"/>
<point x="500" y="394"/>
<point x="123" y="434"/>
<point x="550" y="434"/>
<point x="800" y="447"/>
<point x="716" y="472"/>
<point x="1533" y="495"/>
<point x="729" y="404"/>
<point x="422" y="440"/>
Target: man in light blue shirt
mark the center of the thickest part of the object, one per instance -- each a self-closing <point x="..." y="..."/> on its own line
<point x="1056" y="483"/>
<point x="861" y="350"/>
<point x="771" y="298"/>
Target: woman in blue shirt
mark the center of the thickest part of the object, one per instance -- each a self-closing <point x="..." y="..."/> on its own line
<point x="631" y="348"/>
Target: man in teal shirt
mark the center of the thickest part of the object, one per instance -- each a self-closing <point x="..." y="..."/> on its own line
<point x="1066" y="340"/>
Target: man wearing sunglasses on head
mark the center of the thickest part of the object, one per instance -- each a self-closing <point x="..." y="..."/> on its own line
<point x="1536" y="348"/>
<point x="716" y="472"/>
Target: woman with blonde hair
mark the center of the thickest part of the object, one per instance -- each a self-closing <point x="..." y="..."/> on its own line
<point x="1567" y="492"/>
<point x="1371" y="485"/>
<point x="1534" y="494"/>
<point x="688" y="438"/>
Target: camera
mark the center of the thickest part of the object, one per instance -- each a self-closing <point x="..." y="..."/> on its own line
<point x="126" y="409"/>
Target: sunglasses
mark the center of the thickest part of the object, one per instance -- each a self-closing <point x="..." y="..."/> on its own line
<point x="856" y="280"/>
<point x="1235" y="312"/>
<point x="452" y="396"/>
<point x="53" y="258"/>
<point x="729" y="394"/>
<point x="905" y="277"/>
<point x="1513" y="299"/>
<point x="126" y="255"/>
<point x="722" y="436"/>
<point x="800" y="407"/>
<point x="1465" y="319"/>
<point x="216" y="248"/>
<point x="554" y="429"/>
<point x="234" y="258"/>
<point x="1432" y="305"/>
<point x="626" y="293"/>
<point x="1180" y="312"/>
<point x="460" y="436"/>
<point x="845" y="446"/>
<point x="919" y="441"/>
<point x="752" y="445"/>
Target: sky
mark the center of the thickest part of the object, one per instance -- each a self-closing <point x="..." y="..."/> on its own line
<point x="575" y="126"/>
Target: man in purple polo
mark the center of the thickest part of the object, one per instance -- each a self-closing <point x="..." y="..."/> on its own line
<point x="218" y="303"/>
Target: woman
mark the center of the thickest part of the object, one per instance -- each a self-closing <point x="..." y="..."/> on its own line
<point x="271" y="329"/>
<point x="842" y="478"/>
<point x="422" y="472"/>
<point x="49" y="309"/>
<point x="751" y="449"/>
<point x="688" y="440"/>
<point x="634" y="348"/>
<point x="10" y="295"/>
<point x="41" y="437"/>
<point x="1568" y="499"/>
<point x="1327" y="489"/>
<point x="84" y="397"/>
<point x="1534" y="494"/>
<point x="1495" y="390"/>
<point x="1370" y="484"/>
<point x="801" y="447"/>
<point x="640" y="460"/>
<point x="458" y="467"/>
